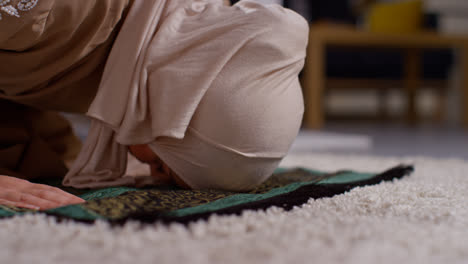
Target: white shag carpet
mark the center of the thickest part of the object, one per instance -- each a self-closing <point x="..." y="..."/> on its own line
<point x="419" y="219"/>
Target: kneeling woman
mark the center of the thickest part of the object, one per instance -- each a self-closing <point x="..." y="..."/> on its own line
<point x="207" y="94"/>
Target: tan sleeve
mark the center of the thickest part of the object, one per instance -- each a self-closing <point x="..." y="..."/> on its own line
<point x="53" y="52"/>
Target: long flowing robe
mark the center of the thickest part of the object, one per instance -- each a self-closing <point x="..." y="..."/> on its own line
<point x="185" y="72"/>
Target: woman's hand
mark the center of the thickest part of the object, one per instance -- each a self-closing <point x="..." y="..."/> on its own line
<point x="22" y="193"/>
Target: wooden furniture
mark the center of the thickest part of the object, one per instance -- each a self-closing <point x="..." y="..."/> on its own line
<point x="323" y="35"/>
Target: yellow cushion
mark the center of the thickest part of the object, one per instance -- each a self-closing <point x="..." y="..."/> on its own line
<point x="399" y="17"/>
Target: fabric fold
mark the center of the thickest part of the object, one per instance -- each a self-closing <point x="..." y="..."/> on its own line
<point x="168" y="55"/>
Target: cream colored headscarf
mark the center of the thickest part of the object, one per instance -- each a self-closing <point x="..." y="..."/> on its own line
<point x="212" y="89"/>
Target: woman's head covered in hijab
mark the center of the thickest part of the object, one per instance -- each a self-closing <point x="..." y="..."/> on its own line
<point x="212" y="90"/>
<point x="250" y="115"/>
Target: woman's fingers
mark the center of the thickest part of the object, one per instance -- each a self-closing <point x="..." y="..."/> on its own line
<point x="57" y="197"/>
<point x="12" y="182"/>
<point x="20" y="197"/>
<point x="22" y="193"/>
<point x="19" y="204"/>
<point x="37" y="201"/>
<point x="46" y="192"/>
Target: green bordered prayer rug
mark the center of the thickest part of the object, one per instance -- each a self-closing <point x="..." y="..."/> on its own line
<point x="286" y="188"/>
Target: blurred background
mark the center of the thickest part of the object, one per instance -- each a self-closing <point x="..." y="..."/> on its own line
<point x="364" y="100"/>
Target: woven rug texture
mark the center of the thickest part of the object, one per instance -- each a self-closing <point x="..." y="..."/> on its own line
<point x="417" y="219"/>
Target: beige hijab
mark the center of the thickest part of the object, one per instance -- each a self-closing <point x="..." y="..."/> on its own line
<point x="172" y="57"/>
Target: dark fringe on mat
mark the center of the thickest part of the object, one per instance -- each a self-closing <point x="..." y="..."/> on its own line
<point x="286" y="201"/>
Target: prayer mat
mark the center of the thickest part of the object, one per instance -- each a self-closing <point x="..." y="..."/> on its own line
<point x="168" y="204"/>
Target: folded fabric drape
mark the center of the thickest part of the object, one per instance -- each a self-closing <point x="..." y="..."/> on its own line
<point x="188" y="76"/>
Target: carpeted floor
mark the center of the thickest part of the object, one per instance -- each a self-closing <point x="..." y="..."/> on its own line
<point x="286" y="188"/>
<point x="419" y="219"/>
